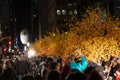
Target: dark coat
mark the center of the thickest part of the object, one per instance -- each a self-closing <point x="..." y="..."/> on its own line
<point x="9" y="74"/>
<point x="22" y="67"/>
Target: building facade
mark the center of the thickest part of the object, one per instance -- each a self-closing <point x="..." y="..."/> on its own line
<point x="52" y="13"/>
<point x="4" y="16"/>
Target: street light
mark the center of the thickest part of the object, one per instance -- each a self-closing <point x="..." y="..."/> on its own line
<point x="31" y="53"/>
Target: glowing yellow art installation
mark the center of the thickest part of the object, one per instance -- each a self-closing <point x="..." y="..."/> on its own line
<point x="96" y="37"/>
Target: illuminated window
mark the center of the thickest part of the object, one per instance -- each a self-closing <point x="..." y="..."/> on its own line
<point x="58" y="12"/>
<point x="64" y="12"/>
<point x="69" y="5"/>
<point x="75" y="11"/>
<point x="75" y="4"/>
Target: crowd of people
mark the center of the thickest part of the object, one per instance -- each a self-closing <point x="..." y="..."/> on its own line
<point x="54" y="68"/>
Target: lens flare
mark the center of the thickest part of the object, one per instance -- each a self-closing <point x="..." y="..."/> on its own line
<point x="31" y="53"/>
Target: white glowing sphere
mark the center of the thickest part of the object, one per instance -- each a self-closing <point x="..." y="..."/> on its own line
<point x="24" y="37"/>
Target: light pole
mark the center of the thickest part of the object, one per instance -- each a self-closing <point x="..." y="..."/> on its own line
<point x="0" y="40"/>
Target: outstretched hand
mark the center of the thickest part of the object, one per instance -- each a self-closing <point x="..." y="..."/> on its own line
<point x="78" y="51"/>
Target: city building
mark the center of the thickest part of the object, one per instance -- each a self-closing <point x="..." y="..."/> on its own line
<point x="115" y="8"/>
<point x="47" y="16"/>
<point x="4" y="16"/>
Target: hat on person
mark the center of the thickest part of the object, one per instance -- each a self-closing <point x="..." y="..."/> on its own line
<point x="42" y="63"/>
<point x="116" y="59"/>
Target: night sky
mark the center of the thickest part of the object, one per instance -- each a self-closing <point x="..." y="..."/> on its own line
<point x="23" y="14"/>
